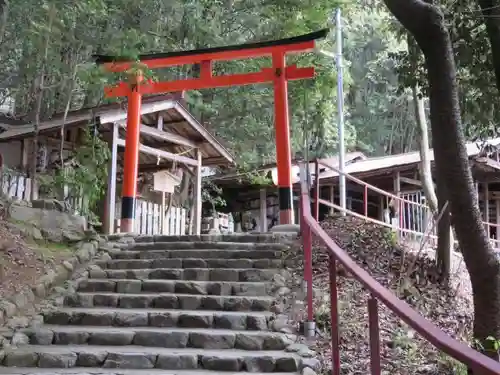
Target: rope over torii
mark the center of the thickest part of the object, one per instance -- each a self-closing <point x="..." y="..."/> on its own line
<point x="279" y="75"/>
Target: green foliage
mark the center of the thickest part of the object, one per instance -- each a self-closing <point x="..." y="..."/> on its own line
<point x="378" y="105"/>
<point x="212" y="194"/>
<point x="85" y="176"/>
<point x="478" y="95"/>
<point x="390" y="237"/>
<point x="69" y="33"/>
<point x="379" y="108"/>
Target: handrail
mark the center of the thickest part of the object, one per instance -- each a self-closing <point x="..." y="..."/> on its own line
<point x="481" y="364"/>
<point x="363" y="183"/>
<point x="374" y="221"/>
<point x="383" y="192"/>
<point x="394" y="197"/>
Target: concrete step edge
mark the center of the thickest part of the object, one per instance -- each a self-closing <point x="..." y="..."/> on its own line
<point x="111" y="371"/>
<point x="174" y="338"/>
<point x="136" y="357"/>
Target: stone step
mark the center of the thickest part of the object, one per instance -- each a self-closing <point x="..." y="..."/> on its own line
<point x="198" y="245"/>
<point x="227" y="288"/>
<point x="195" y="274"/>
<point x="136" y="357"/>
<point x="235" y="237"/>
<point x="203" y="253"/>
<point x="117" y="317"/>
<point x="170" y="301"/>
<point x="194" y="262"/>
<point x="111" y="371"/>
<point x="158" y="337"/>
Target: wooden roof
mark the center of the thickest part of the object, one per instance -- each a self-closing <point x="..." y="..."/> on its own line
<point x="168" y="126"/>
<point x="384" y="165"/>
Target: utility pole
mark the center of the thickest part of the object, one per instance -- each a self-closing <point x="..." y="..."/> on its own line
<point x="340" y="107"/>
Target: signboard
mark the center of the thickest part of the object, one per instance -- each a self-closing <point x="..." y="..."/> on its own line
<point x="165" y="181"/>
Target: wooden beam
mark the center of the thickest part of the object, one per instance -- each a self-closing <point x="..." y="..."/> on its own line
<point x="215" y="161"/>
<point x="116" y="115"/>
<point x="204" y="132"/>
<point x="68" y="145"/>
<point x="144" y="168"/>
<point x="410" y="181"/>
<point x="161" y="154"/>
<point x="162" y="135"/>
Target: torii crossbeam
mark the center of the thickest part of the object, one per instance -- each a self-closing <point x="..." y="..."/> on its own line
<point x="279" y="74"/>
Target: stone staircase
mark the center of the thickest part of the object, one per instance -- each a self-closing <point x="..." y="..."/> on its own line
<point x="163" y="305"/>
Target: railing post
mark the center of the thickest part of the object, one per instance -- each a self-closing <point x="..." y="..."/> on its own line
<point x="374" y="336"/>
<point x="365" y="200"/>
<point x="316" y="190"/>
<point x="310" y="325"/>
<point x="334" y="317"/>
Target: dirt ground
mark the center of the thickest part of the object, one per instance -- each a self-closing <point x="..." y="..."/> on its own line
<point x="410" y="273"/>
<point x="23" y="260"/>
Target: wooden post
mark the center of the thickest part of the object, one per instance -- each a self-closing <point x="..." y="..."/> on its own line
<point x="162" y="213"/>
<point x="263" y="210"/>
<point x="24" y="155"/>
<point x="197" y="202"/>
<point x="487" y="208"/>
<point x="159" y="123"/>
<point x="381" y="209"/>
<point x="497" y="223"/>
<point x="397" y="205"/>
<point x="332" y="199"/>
<point x="317" y="191"/>
<point x="109" y="225"/>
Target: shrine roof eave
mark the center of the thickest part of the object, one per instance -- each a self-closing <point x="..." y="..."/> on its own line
<point x="321" y="34"/>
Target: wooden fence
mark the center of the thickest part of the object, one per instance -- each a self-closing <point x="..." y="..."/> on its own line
<point x="148" y="219"/>
<point x="15" y="184"/>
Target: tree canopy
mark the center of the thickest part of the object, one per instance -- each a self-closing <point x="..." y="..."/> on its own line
<point x="48" y="50"/>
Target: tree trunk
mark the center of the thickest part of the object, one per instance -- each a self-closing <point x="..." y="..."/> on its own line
<point x="4" y="18"/>
<point x="444" y="229"/>
<point x="423" y="145"/>
<point x="491" y="15"/>
<point x="38" y="103"/>
<point x="445" y="243"/>
<point x="426" y="23"/>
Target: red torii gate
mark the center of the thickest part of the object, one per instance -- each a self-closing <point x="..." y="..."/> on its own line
<point x="279" y="74"/>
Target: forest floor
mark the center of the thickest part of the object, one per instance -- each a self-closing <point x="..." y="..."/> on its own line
<point x="23" y="259"/>
<point x="410" y="274"/>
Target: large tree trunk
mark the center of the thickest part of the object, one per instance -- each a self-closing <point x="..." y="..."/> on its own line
<point x="491" y="13"/>
<point x="444" y="230"/>
<point x="426" y="23"/>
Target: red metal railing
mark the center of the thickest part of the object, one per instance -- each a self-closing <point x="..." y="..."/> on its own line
<point x="415" y="219"/>
<point x="480" y="364"/>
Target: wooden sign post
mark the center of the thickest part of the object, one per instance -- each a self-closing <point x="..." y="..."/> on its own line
<point x="165" y="182"/>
